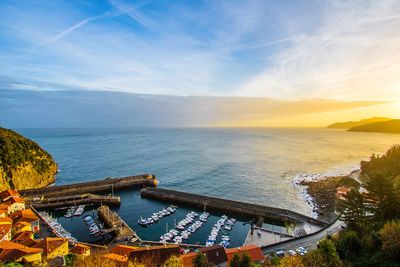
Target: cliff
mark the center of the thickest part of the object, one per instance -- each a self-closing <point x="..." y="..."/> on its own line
<point x="351" y="124"/>
<point x="392" y="126"/>
<point x="23" y="163"/>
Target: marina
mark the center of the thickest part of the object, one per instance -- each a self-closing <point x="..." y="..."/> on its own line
<point x="56" y="227"/>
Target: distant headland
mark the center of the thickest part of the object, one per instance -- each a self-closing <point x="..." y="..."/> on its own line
<point x="375" y="124"/>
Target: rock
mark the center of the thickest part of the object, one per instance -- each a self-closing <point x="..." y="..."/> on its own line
<point x="23" y="163"/>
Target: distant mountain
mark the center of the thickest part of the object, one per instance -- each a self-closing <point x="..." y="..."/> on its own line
<point x="392" y="126"/>
<point x="351" y="124"/>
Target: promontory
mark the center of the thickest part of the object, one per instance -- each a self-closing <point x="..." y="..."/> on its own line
<point x="23" y="163"/>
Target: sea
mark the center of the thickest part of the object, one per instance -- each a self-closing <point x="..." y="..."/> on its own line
<point x="255" y="165"/>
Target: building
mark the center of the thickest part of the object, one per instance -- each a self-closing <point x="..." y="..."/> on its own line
<point x="341" y="192"/>
<point x="7" y="194"/>
<point x="253" y="251"/>
<point x="22" y="237"/>
<point x="13" y="252"/>
<point x="25" y="220"/>
<point x="81" y="250"/>
<point x="14" y="203"/>
<point x="155" y="256"/>
<point x="5" y="229"/>
<point x="53" y="247"/>
<point x="216" y="256"/>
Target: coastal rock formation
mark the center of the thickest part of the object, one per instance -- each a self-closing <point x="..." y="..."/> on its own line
<point x="23" y="163"/>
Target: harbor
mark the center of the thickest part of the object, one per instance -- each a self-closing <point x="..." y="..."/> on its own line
<point x="158" y="216"/>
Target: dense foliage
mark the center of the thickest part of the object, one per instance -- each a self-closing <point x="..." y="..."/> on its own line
<point x="16" y="150"/>
<point x="387" y="165"/>
<point x="373" y="218"/>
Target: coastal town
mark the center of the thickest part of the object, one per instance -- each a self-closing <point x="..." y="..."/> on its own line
<point x="34" y="236"/>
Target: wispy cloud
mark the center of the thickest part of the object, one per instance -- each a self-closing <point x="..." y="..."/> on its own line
<point x="344" y="50"/>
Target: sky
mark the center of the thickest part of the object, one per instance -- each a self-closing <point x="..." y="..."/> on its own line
<point x="225" y="63"/>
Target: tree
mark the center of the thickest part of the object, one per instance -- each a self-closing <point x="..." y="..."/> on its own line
<point x="355" y="212"/>
<point x="173" y="261"/>
<point x="348" y="244"/>
<point x="390" y="236"/>
<point x="235" y="262"/>
<point x="245" y="261"/>
<point x="295" y="261"/>
<point x="383" y="198"/>
<point x="328" y="252"/>
<point x="201" y="260"/>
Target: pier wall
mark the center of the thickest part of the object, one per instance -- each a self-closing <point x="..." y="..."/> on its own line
<point x="229" y="206"/>
<point x="105" y="185"/>
<point x="56" y="202"/>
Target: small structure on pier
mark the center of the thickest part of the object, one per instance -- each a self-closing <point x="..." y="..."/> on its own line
<point x="116" y="224"/>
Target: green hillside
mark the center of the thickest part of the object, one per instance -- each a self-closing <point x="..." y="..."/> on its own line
<point x="23" y="163"/>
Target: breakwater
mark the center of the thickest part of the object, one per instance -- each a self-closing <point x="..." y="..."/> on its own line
<point x="105" y="185"/>
<point x="74" y="200"/>
<point x="224" y="205"/>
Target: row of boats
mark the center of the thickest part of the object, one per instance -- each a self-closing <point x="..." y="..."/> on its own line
<point x="194" y="224"/>
<point x="75" y="211"/>
<point x="156" y="216"/>
<point x="56" y="227"/>
<point x="222" y="223"/>
<point x="94" y="228"/>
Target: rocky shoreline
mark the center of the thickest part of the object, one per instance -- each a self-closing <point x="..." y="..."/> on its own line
<point x="319" y="191"/>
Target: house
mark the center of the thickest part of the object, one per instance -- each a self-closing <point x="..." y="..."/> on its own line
<point x="22" y="237"/>
<point x="53" y="247"/>
<point x="3" y="211"/>
<point x="14" y="203"/>
<point x="253" y="251"/>
<point x="7" y="194"/>
<point x="13" y="252"/>
<point x="157" y="255"/>
<point x="5" y="229"/>
<point x="215" y="255"/>
<point x="341" y="192"/>
<point x="25" y="220"/>
<point x="81" y="250"/>
<point x="116" y="257"/>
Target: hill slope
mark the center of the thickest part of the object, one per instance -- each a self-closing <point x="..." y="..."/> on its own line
<point x="23" y="163"/>
<point x="392" y="126"/>
<point x="351" y="124"/>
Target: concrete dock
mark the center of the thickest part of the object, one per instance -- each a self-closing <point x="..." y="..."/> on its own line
<point x="105" y="185"/>
<point x="74" y="200"/>
<point x="229" y="206"/>
<point x="117" y="225"/>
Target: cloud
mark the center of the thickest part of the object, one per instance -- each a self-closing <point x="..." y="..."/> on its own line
<point x="353" y="54"/>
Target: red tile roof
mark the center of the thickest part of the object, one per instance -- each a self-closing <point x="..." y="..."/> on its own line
<point x="10" y="251"/>
<point x="49" y="244"/>
<point x="253" y="251"/>
<point x="80" y="249"/>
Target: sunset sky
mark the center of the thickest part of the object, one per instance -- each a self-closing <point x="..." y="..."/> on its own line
<point x="198" y="63"/>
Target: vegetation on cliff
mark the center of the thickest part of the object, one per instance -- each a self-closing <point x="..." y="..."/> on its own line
<point x="373" y="217"/>
<point x="23" y="163"/>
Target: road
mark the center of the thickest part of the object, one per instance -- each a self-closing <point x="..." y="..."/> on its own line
<point x="310" y="241"/>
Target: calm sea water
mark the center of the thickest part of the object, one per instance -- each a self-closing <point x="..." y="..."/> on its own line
<point x="252" y="165"/>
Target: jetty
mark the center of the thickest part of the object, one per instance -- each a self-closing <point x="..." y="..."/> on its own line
<point x="105" y="185"/>
<point x="117" y="225"/>
<point x="74" y="200"/>
<point x="250" y="210"/>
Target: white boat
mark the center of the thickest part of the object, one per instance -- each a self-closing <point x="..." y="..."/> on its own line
<point x="79" y="210"/>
